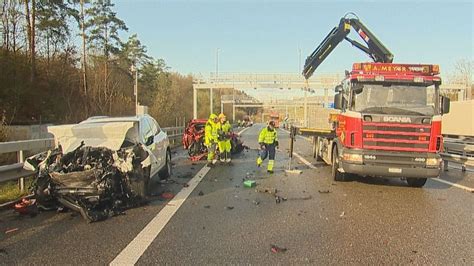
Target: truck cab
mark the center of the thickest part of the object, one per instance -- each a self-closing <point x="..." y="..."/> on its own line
<point x="389" y="124"/>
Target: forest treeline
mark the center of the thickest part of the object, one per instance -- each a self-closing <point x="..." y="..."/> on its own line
<point x="64" y="61"/>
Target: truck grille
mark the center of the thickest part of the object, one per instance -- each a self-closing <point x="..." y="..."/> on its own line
<point x="396" y="137"/>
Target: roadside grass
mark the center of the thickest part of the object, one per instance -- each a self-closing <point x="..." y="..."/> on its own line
<point x="10" y="191"/>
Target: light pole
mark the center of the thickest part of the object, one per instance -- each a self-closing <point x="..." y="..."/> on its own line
<point x="133" y="68"/>
<point x="299" y="61"/>
<point x="215" y="82"/>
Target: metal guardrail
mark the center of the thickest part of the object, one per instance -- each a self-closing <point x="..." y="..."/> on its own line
<point x="16" y="172"/>
<point x="174" y="134"/>
<point x="460" y="151"/>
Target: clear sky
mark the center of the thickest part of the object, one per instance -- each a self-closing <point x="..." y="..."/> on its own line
<point x="264" y="36"/>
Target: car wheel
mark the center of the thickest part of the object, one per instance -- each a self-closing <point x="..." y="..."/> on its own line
<point x="336" y="175"/>
<point x="416" y="182"/>
<point x="193" y="148"/>
<point x="165" y="173"/>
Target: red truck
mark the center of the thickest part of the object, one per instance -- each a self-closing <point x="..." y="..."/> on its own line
<point x="275" y="117"/>
<point x="389" y="123"/>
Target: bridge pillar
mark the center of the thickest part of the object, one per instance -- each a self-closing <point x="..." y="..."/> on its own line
<point x="211" y="99"/>
<point x="233" y="113"/>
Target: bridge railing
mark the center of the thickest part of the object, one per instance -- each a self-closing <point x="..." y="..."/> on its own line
<point x="16" y="172"/>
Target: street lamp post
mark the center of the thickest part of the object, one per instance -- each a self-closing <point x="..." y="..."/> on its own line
<point x="133" y="68"/>
<point x="215" y="82"/>
<point x="299" y="60"/>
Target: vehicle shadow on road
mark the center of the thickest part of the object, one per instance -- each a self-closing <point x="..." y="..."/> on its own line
<point x="394" y="182"/>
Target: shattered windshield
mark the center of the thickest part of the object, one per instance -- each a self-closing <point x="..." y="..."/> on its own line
<point x="395" y="99"/>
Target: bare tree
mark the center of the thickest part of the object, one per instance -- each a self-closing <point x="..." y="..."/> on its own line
<point x="30" y="18"/>
<point x="5" y="28"/>
<point x="84" y="56"/>
<point x="464" y="71"/>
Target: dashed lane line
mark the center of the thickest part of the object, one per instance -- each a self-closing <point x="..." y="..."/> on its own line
<point x="135" y="249"/>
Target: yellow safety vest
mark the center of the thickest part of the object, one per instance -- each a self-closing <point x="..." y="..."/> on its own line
<point x="210" y="132"/>
<point x="268" y="137"/>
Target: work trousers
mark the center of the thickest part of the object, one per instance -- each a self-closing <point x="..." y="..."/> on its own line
<point x="211" y="151"/>
<point x="224" y="146"/>
<point x="268" y="151"/>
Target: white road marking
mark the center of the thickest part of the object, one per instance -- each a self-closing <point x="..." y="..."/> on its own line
<point x="303" y="160"/>
<point x="298" y="136"/>
<point x="135" y="249"/>
<point x="242" y="131"/>
<point x="453" y="184"/>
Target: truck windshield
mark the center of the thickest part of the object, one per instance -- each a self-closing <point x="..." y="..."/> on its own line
<point x="394" y="99"/>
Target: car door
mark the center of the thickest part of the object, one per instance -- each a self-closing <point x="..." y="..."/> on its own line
<point x="147" y="137"/>
<point x="160" y="141"/>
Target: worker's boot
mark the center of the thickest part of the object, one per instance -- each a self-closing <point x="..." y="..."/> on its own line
<point x="259" y="161"/>
<point x="209" y="159"/>
<point x="222" y="157"/>
<point x="227" y="159"/>
<point x="270" y="166"/>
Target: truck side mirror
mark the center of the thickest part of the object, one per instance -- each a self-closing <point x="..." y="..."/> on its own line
<point x="338" y="101"/>
<point x="445" y="104"/>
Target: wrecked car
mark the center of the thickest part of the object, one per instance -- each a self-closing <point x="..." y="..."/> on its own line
<point x="101" y="165"/>
<point x="193" y="140"/>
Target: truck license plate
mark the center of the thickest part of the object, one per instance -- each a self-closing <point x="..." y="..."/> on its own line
<point x="395" y="170"/>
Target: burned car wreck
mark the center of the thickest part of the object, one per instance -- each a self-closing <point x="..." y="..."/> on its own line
<point x="96" y="182"/>
<point x="99" y="177"/>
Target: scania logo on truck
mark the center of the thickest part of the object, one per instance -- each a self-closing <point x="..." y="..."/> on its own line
<point x="398" y="119"/>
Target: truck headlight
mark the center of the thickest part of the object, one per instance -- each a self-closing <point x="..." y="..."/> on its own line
<point x="432" y="161"/>
<point x="352" y="157"/>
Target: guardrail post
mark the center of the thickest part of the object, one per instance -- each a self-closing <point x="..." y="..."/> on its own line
<point x="21" y="159"/>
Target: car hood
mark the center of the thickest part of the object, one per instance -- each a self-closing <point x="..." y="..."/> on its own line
<point x="109" y="135"/>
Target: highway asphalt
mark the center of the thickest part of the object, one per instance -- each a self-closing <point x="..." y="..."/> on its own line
<point x="363" y="221"/>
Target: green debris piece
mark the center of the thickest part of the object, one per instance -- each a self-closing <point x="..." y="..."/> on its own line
<point x="250" y="183"/>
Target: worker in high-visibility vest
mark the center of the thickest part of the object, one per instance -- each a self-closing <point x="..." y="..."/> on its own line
<point x="211" y="138"/>
<point x="268" y="141"/>
<point x="224" y="131"/>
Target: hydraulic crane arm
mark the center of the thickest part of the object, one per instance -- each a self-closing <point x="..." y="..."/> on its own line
<point x="375" y="49"/>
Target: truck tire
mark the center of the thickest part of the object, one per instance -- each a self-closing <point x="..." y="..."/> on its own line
<point x="316" y="149"/>
<point x="165" y="173"/>
<point x="336" y="175"/>
<point x="416" y="182"/>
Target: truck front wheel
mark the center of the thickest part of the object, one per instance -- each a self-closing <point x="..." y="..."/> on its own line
<point x="336" y="175"/>
<point x="416" y="182"/>
<point x="316" y="149"/>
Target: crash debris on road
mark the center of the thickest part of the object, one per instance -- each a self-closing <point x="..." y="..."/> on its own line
<point x="97" y="182"/>
<point x="277" y="249"/>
